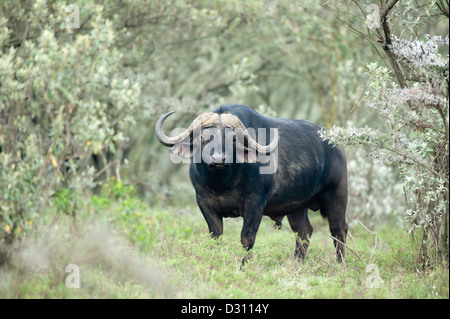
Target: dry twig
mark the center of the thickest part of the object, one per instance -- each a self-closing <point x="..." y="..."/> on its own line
<point x="356" y="252"/>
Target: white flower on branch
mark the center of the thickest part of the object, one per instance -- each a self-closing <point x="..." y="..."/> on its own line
<point x="422" y="54"/>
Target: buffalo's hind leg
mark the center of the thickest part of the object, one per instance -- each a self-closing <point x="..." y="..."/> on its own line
<point x="303" y="230"/>
<point x="338" y="229"/>
<point x="333" y="205"/>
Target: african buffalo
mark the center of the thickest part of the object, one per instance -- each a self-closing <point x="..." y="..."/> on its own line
<point x="227" y="172"/>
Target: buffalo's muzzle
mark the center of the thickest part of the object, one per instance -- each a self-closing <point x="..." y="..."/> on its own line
<point x="218" y="161"/>
<point x="219" y="158"/>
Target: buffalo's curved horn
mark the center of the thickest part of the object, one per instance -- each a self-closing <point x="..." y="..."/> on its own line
<point x="235" y="122"/>
<point x="209" y="118"/>
<point x="203" y="119"/>
<point x="255" y="145"/>
<point x="166" y="140"/>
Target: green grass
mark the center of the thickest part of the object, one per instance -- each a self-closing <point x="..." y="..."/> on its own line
<point x="125" y="249"/>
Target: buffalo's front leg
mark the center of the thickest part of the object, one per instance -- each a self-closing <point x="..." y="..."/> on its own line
<point x="252" y="220"/>
<point x="215" y="225"/>
<point x="214" y="220"/>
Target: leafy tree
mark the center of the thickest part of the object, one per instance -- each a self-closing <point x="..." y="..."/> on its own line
<point x="415" y="109"/>
<point x="62" y="100"/>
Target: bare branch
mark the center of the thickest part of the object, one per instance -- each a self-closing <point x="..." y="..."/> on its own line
<point x="351" y="250"/>
<point x="376" y="240"/>
<point x="107" y="166"/>
<point x="444" y="10"/>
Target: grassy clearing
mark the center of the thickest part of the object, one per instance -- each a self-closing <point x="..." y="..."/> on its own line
<point x="125" y="249"/>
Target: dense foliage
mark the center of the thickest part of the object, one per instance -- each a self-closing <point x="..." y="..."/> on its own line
<point x="63" y="99"/>
<point x="411" y="95"/>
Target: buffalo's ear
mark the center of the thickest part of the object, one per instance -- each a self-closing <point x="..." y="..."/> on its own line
<point x="182" y="149"/>
<point x="248" y="156"/>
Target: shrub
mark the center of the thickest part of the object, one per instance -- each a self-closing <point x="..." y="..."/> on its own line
<point x="62" y="100"/>
<point x="416" y="138"/>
